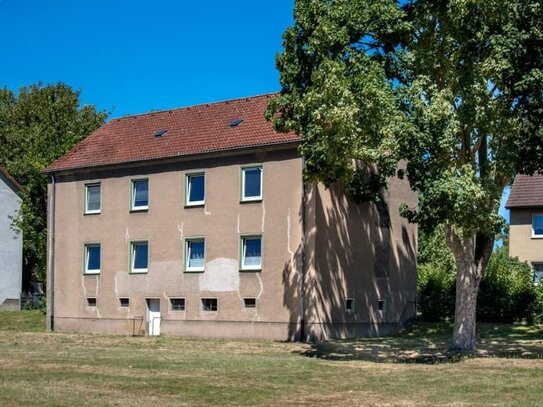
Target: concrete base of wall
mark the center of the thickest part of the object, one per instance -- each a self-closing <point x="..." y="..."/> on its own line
<point x="11" y="304"/>
<point x="279" y="331"/>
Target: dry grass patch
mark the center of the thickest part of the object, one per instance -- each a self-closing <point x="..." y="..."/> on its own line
<point x="65" y="369"/>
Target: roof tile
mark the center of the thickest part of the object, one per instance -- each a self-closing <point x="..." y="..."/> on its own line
<point x="527" y="192"/>
<point x="190" y="130"/>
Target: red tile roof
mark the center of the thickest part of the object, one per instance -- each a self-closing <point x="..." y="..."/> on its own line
<point x="527" y="192"/>
<point x="190" y="130"/>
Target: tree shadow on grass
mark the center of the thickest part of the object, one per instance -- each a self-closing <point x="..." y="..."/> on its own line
<point x="428" y="343"/>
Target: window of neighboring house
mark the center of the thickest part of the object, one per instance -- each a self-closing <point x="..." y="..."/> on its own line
<point x="537" y="225"/>
<point x="93" y="200"/>
<point x="538" y="273"/>
<point x="124" y="302"/>
<point x="194" y="254"/>
<point x="177" y="304"/>
<point x="92" y="258"/>
<point x="195" y="189"/>
<point x="209" y="304"/>
<point x="381" y="305"/>
<point x="251" y="252"/>
<point x="249" y="302"/>
<point x="91" y="302"/>
<point x="139" y="257"/>
<point x="140" y="194"/>
<point x="251" y="183"/>
<point x="349" y="304"/>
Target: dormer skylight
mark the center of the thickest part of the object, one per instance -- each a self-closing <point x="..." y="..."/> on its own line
<point x="235" y="122"/>
<point x="159" y="133"/>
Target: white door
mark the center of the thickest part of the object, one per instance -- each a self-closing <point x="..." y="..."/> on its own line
<point x="153" y="316"/>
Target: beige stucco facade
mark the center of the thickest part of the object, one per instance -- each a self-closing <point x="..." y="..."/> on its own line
<point x="363" y="252"/>
<point x="522" y="243"/>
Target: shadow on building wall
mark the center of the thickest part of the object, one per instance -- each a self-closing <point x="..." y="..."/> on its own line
<point x="364" y="252"/>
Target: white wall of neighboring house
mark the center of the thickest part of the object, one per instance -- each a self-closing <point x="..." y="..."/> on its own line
<point x="11" y="247"/>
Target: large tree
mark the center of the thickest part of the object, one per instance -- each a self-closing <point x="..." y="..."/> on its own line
<point x="453" y="87"/>
<point x="37" y="125"/>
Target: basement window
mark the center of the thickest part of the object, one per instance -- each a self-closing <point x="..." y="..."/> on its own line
<point x="381" y="305"/>
<point x="91" y="301"/>
<point x="124" y="302"/>
<point x="349" y="304"/>
<point x="249" y="302"/>
<point x="177" y="304"/>
<point x="209" y="304"/>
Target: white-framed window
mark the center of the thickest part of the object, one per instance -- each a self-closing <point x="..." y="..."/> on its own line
<point x="93" y="198"/>
<point x="139" y="257"/>
<point x="195" y="189"/>
<point x="538" y="273"/>
<point x="177" y="304"/>
<point x="209" y="304"/>
<point x="139" y="200"/>
<point x="251" y="183"/>
<point x="194" y="254"/>
<point x="251" y="252"/>
<point x="537" y="225"/>
<point x="92" y="258"/>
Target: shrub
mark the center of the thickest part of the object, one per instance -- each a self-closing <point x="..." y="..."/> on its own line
<point x="507" y="293"/>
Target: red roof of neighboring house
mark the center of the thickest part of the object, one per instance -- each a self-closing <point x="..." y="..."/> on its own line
<point x="527" y="192"/>
<point x="13" y="181"/>
<point x="190" y="130"/>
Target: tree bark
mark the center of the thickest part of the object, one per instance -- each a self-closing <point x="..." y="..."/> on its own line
<point x="471" y="254"/>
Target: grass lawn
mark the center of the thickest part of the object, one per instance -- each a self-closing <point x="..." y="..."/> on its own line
<point x="66" y="369"/>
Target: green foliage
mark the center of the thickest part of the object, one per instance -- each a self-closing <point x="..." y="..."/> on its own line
<point x="453" y="88"/>
<point x="37" y="125"/>
<point x="506" y="294"/>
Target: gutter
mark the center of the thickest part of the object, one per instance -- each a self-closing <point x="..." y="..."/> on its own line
<point x="51" y="282"/>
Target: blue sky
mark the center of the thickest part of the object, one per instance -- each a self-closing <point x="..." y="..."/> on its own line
<point x="135" y="56"/>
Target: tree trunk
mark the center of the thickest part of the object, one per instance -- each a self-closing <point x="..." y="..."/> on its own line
<point x="471" y="254"/>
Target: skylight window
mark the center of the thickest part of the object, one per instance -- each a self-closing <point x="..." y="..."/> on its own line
<point x="235" y="122"/>
<point x="159" y="133"/>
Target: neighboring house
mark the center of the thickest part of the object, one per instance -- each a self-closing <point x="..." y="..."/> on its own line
<point x="11" y="244"/>
<point x="525" y="204"/>
<point x="197" y="222"/>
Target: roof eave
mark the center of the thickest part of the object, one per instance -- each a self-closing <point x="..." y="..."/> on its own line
<point x="178" y="158"/>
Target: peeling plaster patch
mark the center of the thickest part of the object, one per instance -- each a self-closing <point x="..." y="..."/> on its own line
<point x="206" y="212"/>
<point x="263" y="215"/>
<point x="180" y="228"/>
<point x="221" y="275"/>
<point x="127" y="236"/>
<point x="261" y="285"/>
